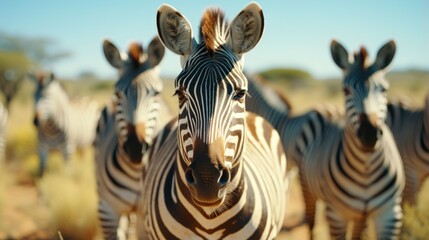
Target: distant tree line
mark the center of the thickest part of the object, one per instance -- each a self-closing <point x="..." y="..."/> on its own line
<point x="18" y="55"/>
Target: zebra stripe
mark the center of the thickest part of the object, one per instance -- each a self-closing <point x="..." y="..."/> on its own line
<point x="125" y="131"/>
<point x="3" y="128"/>
<point x="410" y="127"/>
<point x="215" y="172"/>
<point x="355" y="168"/>
<point x="61" y="124"/>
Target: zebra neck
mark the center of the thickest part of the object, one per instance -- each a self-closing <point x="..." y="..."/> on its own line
<point x="266" y="103"/>
<point x="122" y="156"/>
<point x="60" y="105"/>
<point x="355" y="151"/>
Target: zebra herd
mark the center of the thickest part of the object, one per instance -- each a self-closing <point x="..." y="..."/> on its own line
<point x="218" y="169"/>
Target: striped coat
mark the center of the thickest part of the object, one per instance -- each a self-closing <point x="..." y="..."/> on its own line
<point x="61" y="124"/>
<point x="356" y="168"/>
<point x="410" y="127"/>
<point x="125" y="131"/>
<point x="215" y="172"/>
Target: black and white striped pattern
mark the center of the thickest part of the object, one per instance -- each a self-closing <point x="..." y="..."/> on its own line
<point x="3" y="127"/>
<point x="216" y="172"/>
<point x="356" y="169"/>
<point x="410" y="127"/>
<point x="62" y="124"/>
<point x="126" y="130"/>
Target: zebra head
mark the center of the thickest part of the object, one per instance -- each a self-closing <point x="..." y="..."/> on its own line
<point x="137" y="95"/>
<point x="211" y="90"/>
<point x="46" y="88"/>
<point x="365" y="89"/>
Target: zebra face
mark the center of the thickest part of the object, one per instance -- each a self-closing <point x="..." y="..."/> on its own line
<point x="211" y="121"/>
<point x="365" y="89"/>
<point x="137" y="96"/>
<point x="42" y="96"/>
<point x="211" y="90"/>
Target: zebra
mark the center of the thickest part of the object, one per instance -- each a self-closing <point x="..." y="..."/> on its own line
<point x="216" y="171"/>
<point x="125" y="131"/>
<point x="356" y="167"/>
<point x="3" y="128"/>
<point x="277" y="109"/>
<point x="61" y="124"/>
<point x="410" y="127"/>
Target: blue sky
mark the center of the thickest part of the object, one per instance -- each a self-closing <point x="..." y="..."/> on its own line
<point x="297" y="33"/>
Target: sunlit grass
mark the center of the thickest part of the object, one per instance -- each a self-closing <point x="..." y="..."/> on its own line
<point x="69" y="190"/>
<point x="67" y="193"/>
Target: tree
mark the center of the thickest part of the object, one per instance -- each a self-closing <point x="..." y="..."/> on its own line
<point x="18" y="54"/>
<point x="43" y="51"/>
<point x="13" y="69"/>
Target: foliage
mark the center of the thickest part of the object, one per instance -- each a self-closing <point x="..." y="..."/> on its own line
<point x="13" y="68"/>
<point x="41" y="50"/>
<point x="289" y="76"/>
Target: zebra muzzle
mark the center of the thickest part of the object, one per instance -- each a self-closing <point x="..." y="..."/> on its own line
<point x="208" y="186"/>
<point x="36" y="120"/>
<point x="368" y="132"/>
<point x="133" y="146"/>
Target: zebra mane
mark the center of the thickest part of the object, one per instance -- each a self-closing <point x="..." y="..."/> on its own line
<point x="362" y="57"/>
<point x="262" y="81"/>
<point x="213" y="29"/>
<point x="135" y="50"/>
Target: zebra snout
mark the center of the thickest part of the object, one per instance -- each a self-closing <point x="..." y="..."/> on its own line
<point x="369" y="131"/>
<point x="222" y="181"/>
<point x="36" y="120"/>
<point x="207" y="185"/>
<point x="371" y="118"/>
<point x="133" y="146"/>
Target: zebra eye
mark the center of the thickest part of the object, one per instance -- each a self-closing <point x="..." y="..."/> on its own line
<point x="181" y="95"/>
<point x="346" y="91"/>
<point x="239" y="94"/>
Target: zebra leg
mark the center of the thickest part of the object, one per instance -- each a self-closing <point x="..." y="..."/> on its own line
<point x="109" y="220"/>
<point x="310" y="206"/>
<point x="388" y="224"/>
<point x="337" y="224"/>
<point x="43" y="156"/>
<point x="358" y="227"/>
<point x="123" y="227"/>
<point x="411" y="185"/>
<point x="68" y="150"/>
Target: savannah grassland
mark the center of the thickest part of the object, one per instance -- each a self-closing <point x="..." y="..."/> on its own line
<point x="64" y="201"/>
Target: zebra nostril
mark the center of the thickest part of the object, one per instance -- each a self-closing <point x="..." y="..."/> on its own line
<point x="224" y="177"/>
<point x="189" y="175"/>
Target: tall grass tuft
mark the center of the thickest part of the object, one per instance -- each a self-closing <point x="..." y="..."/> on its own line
<point x="70" y="193"/>
<point x="416" y="218"/>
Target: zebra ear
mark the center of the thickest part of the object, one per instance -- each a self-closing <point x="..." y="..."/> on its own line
<point x="112" y="54"/>
<point x="175" y="31"/>
<point x="155" y="51"/>
<point x="339" y="55"/>
<point x="246" y="29"/>
<point x="385" y="55"/>
<point x="50" y="77"/>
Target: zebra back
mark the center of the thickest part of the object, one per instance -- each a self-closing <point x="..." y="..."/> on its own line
<point x="409" y="129"/>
